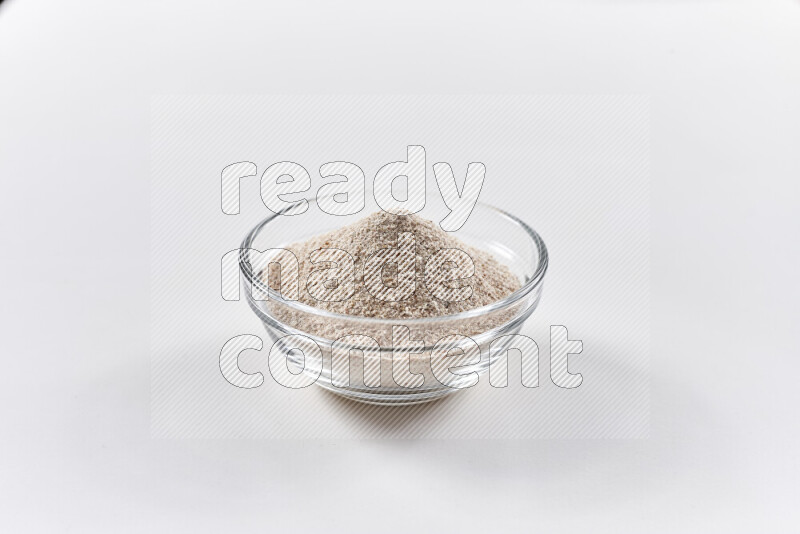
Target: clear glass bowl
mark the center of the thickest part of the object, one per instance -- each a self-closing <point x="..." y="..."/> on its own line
<point x="508" y="239"/>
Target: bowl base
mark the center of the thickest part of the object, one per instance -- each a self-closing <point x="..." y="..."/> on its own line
<point x="389" y="399"/>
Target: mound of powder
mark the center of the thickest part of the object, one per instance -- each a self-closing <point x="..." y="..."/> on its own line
<point x="491" y="281"/>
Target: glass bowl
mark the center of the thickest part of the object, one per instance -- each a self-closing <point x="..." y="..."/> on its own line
<point x="385" y="372"/>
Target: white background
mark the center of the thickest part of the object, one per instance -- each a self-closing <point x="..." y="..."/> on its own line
<point x="76" y="79"/>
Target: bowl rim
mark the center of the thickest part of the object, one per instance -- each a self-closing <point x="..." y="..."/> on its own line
<point x="534" y="281"/>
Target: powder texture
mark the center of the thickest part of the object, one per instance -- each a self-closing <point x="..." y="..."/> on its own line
<point x="490" y="282"/>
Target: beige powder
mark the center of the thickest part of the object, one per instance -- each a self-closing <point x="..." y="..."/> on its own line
<point x="492" y="281"/>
